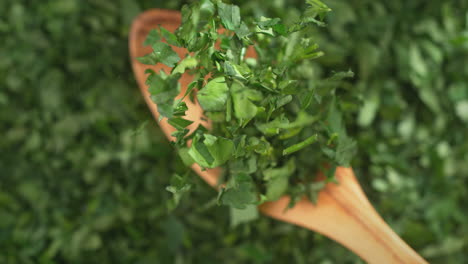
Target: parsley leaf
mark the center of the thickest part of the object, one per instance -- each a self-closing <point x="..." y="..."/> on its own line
<point x="278" y="180"/>
<point x="152" y="38"/>
<point x="214" y="95"/>
<point x="210" y="151"/>
<point x="163" y="90"/>
<point x="163" y="53"/>
<point x="239" y="193"/>
<point x="229" y="15"/>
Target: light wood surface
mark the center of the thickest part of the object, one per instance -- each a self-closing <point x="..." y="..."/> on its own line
<point x="342" y="213"/>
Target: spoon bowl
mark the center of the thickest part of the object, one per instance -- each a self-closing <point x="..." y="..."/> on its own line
<point x="342" y="213"/>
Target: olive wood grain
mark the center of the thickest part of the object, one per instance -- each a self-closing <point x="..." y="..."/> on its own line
<point x="342" y="213"/>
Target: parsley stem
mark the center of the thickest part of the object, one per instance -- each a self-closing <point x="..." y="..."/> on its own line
<point x="300" y="145"/>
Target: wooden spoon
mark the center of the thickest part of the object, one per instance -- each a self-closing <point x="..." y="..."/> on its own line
<point x="342" y="213"/>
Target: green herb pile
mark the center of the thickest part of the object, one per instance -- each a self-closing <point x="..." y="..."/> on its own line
<point x="84" y="169"/>
<point x="412" y="130"/>
<point x="274" y="123"/>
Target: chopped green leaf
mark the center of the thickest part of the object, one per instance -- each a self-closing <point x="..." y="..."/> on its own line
<point x="278" y="180"/>
<point x="165" y="54"/>
<point x="170" y="37"/>
<point x="152" y="38"/>
<point x="179" y="122"/>
<point x="212" y="151"/>
<point x="240" y="194"/>
<point x="244" y="109"/>
<point x="240" y="216"/>
<point x="187" y="63"/>
<point x="229" y="15"/>
<point x="214" y="95"/>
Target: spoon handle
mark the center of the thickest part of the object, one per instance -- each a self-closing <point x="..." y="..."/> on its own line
<point x="344" y="214"/>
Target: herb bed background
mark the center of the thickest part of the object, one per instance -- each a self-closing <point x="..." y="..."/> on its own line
<point x="83" y="180"/>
